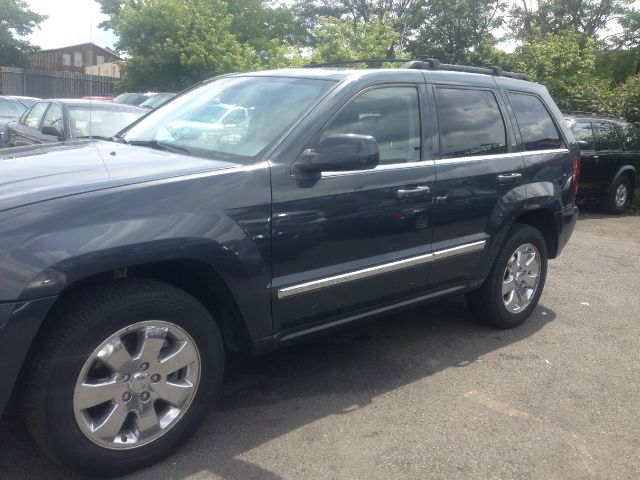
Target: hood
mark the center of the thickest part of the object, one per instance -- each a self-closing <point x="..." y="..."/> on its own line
<point x="35" y="174"/>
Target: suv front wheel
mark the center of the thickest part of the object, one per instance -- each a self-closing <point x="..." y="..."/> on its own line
<point x="512" y="290"/>
<point x="124" y="373"/>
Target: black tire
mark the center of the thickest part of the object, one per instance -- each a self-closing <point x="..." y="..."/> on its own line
<point x="610" y="202"/>
<point x="487" y="302"/>
<point x="76" y="328"/>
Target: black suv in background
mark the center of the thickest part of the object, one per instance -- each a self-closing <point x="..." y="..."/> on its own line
<point x="128" y="268"/>
<point x="610" y="157"/>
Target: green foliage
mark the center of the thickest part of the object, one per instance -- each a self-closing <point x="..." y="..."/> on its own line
<point x="173" y="43"/>
<point x="565" y="63"/>
<point x="458" y="31"/>
<point x="16" y="19"/>
<point x="588" y="17"/>
<point x="339" y="40"/>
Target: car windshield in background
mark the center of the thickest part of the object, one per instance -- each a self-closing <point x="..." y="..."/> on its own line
<point x="155" y="102"/>
<point x="11" y="108"/>
<point x="238" y="116"/>
<point x="131" y="98"/>
<point x="93" y="122"/>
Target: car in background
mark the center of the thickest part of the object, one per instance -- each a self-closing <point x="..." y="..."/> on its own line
<point x="215" y="121"/>
<point x="106" y="98"/>
<point x="63" y="120"/>
<point x="610" y="159"/>
<point x="11" y="107"/>
<point x="157" y="100"/>
<point x="138" y="98"/>
<point x="131" y="98"/>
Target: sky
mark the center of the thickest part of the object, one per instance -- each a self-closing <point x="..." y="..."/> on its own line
<point x="70" y="22"/>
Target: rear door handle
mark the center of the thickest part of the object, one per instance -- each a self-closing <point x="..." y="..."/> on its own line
<point x="509" y="178"/>
<point x="418" y="191"/>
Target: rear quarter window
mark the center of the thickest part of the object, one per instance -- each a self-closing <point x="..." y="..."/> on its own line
<point x="470" y="123"/>
<point x="607" y="137"/>
<point x="536" y="126"/>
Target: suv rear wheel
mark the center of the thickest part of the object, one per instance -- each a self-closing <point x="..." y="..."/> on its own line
<point x="124" y="375"/>
<point x="515" y="283"/>
<point x="618" y="198"/>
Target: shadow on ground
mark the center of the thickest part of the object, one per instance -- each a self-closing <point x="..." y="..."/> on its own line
<point x="269" y="396"/>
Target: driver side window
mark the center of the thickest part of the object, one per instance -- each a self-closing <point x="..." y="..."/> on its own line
<point x="389" y="114"/>
<point x="54" y="118"/>
<point x="35" y="115"/>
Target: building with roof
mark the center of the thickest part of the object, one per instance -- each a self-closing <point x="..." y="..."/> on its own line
<point x="75" y="58"/>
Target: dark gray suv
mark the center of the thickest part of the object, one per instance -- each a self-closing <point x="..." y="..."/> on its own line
<point x="610" y="160"/>
<point x="128" y="268"/>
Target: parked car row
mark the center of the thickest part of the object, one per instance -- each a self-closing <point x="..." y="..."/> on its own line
<point x="57" y="120"/>
<point x="609" y="146"/>
<point x="48" y="121"/>
<point x="11" y="107"/>
<point x="148" y="100"/>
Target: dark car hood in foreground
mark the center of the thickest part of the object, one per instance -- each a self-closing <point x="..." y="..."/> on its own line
<point x="35" y="174"/>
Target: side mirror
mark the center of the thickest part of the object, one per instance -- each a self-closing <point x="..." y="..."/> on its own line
<point x="53" y="131"/>
<point x="341" y="153"/>
<point x="583" y="144"/>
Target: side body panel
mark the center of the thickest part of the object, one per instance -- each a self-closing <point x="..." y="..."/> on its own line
<point x="471" y="205"/>
<point x="330" y="229"/>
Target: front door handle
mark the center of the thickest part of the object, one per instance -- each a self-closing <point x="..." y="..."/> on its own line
<point x="418" y="191"/>
<point x="509" y="178"/>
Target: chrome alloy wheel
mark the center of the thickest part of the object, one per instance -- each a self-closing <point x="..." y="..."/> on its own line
<point x="136" y="385"/>
<point x="521" y="278"/>
<point x="621" y="195"/>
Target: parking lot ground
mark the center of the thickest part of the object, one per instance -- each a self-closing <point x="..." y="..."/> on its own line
<point x="427" y="394"/>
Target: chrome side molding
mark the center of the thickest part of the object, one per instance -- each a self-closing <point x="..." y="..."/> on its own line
<point x="379" y="269"/>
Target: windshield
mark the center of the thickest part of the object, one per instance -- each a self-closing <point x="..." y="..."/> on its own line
<point x="131" y="98"/>
<point x="238" y="116"/>
<point x="156" y="101"/>
<point x="85" y="122"/>
<point x="11" y="108"/>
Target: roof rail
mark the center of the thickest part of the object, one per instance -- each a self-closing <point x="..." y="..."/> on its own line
<point x="426" y="63"/>
<point x="352" y="62"/>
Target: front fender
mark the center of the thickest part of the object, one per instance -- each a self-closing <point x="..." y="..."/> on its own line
<point x="46" y="247"/>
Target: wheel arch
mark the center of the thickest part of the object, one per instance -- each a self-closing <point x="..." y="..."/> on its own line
<point x="543" y="220"/>
<point x="195" y="277"/>
<point x="628" y="171"/>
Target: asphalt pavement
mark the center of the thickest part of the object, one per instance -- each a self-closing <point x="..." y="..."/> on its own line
<point x="428" y="394"/>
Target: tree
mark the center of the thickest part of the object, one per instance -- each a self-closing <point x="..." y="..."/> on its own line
<point x="458" y="31"/>
<point x="172" y="44"/>
<point x="339" y="40"/>
<point x="565" y="63"/>
<point x="588" y="17"/>
<point x="16" y="19"/>
<point x="402" y="15"/>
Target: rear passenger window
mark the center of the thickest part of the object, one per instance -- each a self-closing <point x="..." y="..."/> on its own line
<point x="607" y="137"/>
<point x="584" y="135"/>
<point x="536" y="126"/>
<point x="391" y="115"/>
<point x="470" y="123"/>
